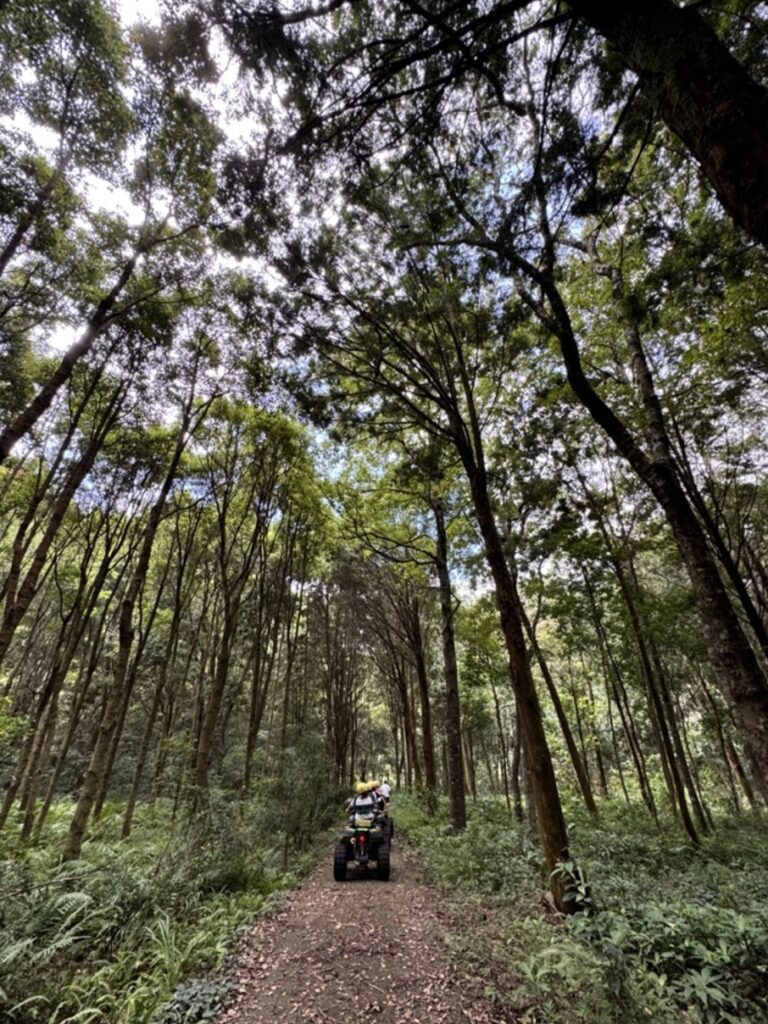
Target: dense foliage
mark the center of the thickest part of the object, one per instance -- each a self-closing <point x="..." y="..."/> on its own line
<point x="133" y="933"/>
<point x="672" y="932"/>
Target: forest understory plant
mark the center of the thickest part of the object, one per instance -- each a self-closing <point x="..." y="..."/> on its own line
<point x="120" y="935"/>
<point x="675" y="931"/>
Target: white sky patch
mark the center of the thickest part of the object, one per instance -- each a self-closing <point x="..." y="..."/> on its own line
<point x="59" y="340"/>
<point x="131" y="11"/>
<point x="102" y="195"/>
<point x="98" y="193"/>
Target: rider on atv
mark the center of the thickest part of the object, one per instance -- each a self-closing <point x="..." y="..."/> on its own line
<point x="369" y="807"/>
<point x="364" y="804"/>
<point x="367" y="835"/>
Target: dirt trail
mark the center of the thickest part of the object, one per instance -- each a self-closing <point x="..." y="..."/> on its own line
<point x="359" y="950"/>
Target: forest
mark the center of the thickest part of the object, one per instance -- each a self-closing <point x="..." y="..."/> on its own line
<point x="383" y="395"/>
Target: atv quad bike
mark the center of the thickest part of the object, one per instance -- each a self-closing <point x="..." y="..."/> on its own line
<point x="361" y="842"/>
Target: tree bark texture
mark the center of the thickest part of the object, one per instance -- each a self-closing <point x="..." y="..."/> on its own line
<point x="702" y="94"/>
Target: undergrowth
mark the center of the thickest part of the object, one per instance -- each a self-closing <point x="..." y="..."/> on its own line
<point x="134" y="931"/>
<point x="675" y="936"/>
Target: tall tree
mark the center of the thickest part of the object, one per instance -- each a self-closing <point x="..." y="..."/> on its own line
<point x="416" y="351"/>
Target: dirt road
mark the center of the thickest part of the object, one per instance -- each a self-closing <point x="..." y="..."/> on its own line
<point x="359" y="950"/>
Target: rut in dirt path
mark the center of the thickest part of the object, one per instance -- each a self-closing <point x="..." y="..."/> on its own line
<point x="362" y="949"/>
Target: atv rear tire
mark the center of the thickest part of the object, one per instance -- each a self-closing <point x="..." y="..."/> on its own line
<point x="340" y="862"/>
<point x="382" y="864"/>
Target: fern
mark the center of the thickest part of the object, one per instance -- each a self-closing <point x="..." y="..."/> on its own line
<point x="109" y="941"/>
<point x="13" y="951"/>
<point x="63" y="911"/>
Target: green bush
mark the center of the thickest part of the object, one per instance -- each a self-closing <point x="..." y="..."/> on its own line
<point x="195" y="1002"/>
<point x="679" y="935"/>
<point x="296" y="799"/>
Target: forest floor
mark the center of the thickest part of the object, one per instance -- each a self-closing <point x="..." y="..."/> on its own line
<point x="362" y="948"/>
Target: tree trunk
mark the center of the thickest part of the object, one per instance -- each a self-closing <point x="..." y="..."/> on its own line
<point x="27" y="418"/>
<point x="721" y="547"/>
<point x="517" y="795"/>
<point x="503" y="746"/>
<point x="582" y="776"/>
<point x="118" y="692"/>
<point x="36" y="768"/>
<point x="87" y="671"/>
<point x="538" y="759"/>
<point x="615" y="682"/>
<point x="470" y="784"/>
<point x="427" y="738"/>
<point x="455" y="760"/>
<point x="263" y="663"/>
<point x="700" y="91"/>
<point x="614" y="737"/>
<point x="662" y="716"/>
<point x="602" y="783"/>
<point x="736" y="666"/>
<point x="128" y="687"/>
<point x="141" y="757"/>
<point x="734" y="762"/>
<point x="27" y="220"/>
<point x="211" y="713"/>
<point x="17" y="608"/>
<point x="692" y="777"/>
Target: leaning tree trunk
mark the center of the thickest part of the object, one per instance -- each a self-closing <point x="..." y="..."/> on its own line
<point x="16" y="608"/>
<point x="700" y="91"/>
<point x="100" y="319"/>
<point x="45" y="473"/>
<point x="736" y="666"/>
<point x="26" y="221"/>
